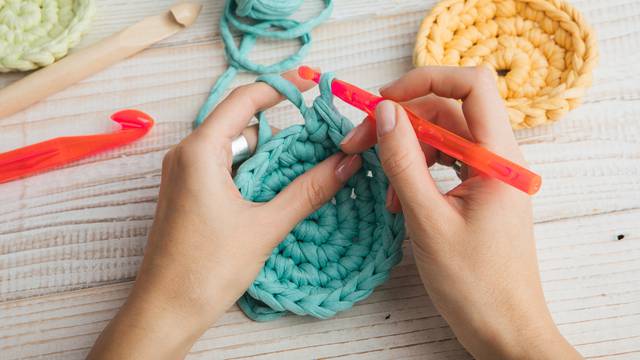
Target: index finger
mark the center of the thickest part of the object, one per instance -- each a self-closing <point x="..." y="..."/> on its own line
<point x="233" y="114"/>
<point x="482" y="106"/>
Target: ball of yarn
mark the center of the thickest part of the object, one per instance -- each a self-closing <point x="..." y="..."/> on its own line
<point x="267" y="9"/>
<point x="255" y="19"/>
<point x="339" y="254"/>
<point x="543" y="51"/>
<point x="35" y="33"/>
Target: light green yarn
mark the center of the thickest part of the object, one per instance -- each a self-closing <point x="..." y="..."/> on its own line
<point x="339" y="254"/>
<point x="35" y="33"/>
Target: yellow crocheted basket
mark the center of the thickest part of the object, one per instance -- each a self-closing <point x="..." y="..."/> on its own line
<point x="542" y="51"/>
<point x="35" y="33"/>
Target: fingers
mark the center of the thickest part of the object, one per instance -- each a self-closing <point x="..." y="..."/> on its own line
<point x="392" y="202"/>
<point x="314" y="188"/>
<point x="403" y="161"/>
<point x="233" y="114"/>
<point x="251" y="134"/>
<point x="444" y="112"/>
<point x="360" y="138"/>
<point x="482" y="106"/>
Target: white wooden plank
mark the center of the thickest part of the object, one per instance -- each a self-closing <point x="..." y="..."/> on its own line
<point x="589" y="161"/>
<point x="598" y="313"/>
<point x="86" y="224"/>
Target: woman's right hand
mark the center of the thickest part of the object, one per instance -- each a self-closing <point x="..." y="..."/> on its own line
<point x="474" y="246"/>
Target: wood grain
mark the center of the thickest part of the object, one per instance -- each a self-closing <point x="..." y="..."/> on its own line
<point x="590" y="280"/>
<point x="84" y="226"/>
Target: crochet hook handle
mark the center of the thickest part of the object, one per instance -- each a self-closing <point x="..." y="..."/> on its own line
<point x="475" y="155"/>
<point x="442" y="139"/>
<point x="42" y="156"/>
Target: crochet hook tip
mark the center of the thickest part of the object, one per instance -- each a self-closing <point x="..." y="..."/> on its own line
<point x="308" y="73"/>
<point x="185" y="14"/>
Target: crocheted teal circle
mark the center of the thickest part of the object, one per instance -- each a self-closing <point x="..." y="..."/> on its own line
<point x="339" y="254"/>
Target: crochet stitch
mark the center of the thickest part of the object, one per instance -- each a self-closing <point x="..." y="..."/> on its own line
<point x="340" y="253"/>
<point x="36" y="33"/>
<point x="269" y="19"/>
<point x="542" y="50"/>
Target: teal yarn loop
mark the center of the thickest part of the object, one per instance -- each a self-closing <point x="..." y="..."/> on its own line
<point x="267" y="19"/>
<point x="267" y="9"/>
<point x="342" y="252"/>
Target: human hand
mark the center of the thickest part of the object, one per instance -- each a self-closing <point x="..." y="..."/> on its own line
<point x="207" y="244"/>
<point x="474" y="246"/>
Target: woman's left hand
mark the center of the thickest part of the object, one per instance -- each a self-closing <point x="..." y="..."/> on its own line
<point x="207" y="244"/>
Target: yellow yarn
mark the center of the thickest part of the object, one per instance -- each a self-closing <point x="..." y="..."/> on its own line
<point x="35" y="33"/>
<point x="543" y="52"/>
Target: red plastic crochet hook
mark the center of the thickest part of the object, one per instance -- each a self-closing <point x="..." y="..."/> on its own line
<point x="48" y="154"/>
<point x="449" y="143"/>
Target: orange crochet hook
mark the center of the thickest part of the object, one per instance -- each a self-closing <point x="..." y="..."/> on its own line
<point x="48" y="154"/>
<point x="449" y="143"/>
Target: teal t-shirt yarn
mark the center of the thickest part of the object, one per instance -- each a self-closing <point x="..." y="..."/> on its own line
<point x="340" y="253"/>
<point x="255" y="19"/>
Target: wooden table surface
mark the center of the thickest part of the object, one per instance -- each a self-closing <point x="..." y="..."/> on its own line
<point x="72" y="239"/>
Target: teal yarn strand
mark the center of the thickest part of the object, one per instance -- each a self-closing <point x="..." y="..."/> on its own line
<point x="267" y="9"/>
<point x="268" y="19"/>
<point x="342" y="252"/>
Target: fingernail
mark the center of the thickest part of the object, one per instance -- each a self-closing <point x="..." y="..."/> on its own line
<point x="350" y="135"/>
<point x="348" y="167"/>
<point x="394" y="198"/>
<point x="385" y="117"/>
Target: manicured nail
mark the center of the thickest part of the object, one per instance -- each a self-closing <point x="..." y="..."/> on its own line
<point x="385" y="117"/>
<point x="348" y="167"/>
<point x="394" y="198"/>
<point x="350" y="135"/>
<point x="389" y="200"/>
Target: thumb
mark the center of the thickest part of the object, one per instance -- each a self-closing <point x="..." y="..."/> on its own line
<point x="404" y="162"/>
<point x="311" y="190"/>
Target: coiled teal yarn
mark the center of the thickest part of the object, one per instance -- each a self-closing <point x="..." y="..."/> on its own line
<point x="339" y="254"/>
<point x="268" y="19"/>
<point x="267" y="9"/>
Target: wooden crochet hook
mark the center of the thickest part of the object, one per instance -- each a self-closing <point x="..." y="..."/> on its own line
<point x="95" y="58"/>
